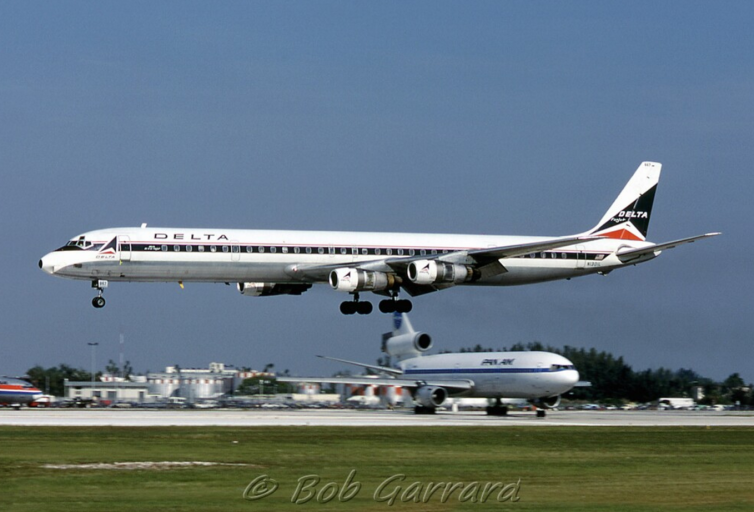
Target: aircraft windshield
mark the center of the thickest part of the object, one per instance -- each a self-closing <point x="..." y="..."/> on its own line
<point x="80" y="244"/>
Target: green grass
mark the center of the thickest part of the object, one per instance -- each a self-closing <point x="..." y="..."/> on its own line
<point x="559" y="468"/>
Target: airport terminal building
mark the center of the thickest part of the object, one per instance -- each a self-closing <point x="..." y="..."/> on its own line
<point x="189" y="383"/>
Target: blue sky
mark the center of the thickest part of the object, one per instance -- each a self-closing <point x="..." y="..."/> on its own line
<point x="483" y="117"/>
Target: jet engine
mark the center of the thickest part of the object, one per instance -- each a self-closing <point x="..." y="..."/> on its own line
<point x="353" y="280"/>
<point x="430" y="396"/>
<point x="408" y="345"/>
<point x="550" y="402"/>
<point x="425" y="272"/>
<point x="268" y="289"/>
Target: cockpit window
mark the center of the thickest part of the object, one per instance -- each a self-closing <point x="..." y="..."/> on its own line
<point x="80" y="244"/>
<point x="560" y="367"/>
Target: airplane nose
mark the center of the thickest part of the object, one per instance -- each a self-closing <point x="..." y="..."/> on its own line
<point x="45" y="263"/>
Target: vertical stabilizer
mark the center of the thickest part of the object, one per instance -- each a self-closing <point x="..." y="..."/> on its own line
<point x="628" y="217"/>
<point x="404" y="342"/>
<point x="401" y="324"/>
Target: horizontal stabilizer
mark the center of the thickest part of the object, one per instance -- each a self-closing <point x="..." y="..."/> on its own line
<point x="632" y="254"/>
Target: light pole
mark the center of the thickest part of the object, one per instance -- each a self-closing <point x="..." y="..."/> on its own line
<point x="94" y="352"/>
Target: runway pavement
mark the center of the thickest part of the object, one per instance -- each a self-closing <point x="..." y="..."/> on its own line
<point x="363" y="418"/>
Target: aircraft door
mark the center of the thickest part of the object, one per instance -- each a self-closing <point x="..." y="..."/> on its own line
<point x="124" y="248"/>
<point x="580" y="257"/>
<point x="235" y="251"/>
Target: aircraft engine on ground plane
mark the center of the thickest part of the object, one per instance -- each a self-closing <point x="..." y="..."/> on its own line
<point x="550" y="402"/>
<point x="424" y="272"/>
<point x="268" y="289"/>
<point x="407" y="345"/>
<point x="352" y="280"/>
<point x="430" y="396"/>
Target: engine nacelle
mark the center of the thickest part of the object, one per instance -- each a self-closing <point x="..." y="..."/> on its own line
<point x="430" y="396"/>
<point x="407" y="345"/>
<point x="353" y="280"/>
<point x="549" y="402"/>
<point x="439" y="272"/>
<point x="269" y="289"/>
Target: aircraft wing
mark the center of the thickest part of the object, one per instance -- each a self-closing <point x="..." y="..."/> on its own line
<point x="382" y="369"/>
<point x="490" y="254"/>
<point x="486" y="260"/>
<point x="632" y="254"/>
<point x="454" y="385"/>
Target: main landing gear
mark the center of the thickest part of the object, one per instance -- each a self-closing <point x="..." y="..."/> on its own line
<point x="386" y="306"/>
<point x="350" y="307"/>
<point x="394" y="305"/>
<point x="99" y="301"/>
<point x="498" y="409"/>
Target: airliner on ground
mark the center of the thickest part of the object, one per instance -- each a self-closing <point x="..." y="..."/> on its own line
<point x="267" y="262"/>
<point x="540" y="377"/>
<point x="17" y="392"/>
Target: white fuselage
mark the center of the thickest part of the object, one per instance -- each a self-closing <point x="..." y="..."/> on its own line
<point x="270" y="256"/>
<point x="529" y="375"/>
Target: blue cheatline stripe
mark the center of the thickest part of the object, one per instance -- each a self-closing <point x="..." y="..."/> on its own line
<point x="418" y="371"/>
<point x="18" y="392"/>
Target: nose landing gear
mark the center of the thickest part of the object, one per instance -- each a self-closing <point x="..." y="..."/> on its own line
<point x="99" y="301"/>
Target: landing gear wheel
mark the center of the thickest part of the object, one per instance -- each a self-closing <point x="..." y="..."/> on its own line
<point x="99" y="285"/>
<point x="541" y="413"/>
<point x="403" y="306"/>
<point x="350" y="307"/>
<point x="387" y="306"/>
<point x="497" y="410"/>
<point x="393" y="305"/>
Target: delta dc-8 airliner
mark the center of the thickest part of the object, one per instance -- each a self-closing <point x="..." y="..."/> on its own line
<point x="271" y="262"/>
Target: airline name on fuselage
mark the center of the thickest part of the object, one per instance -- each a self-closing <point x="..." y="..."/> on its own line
<point x="497" y="362"/>
<point x="190" y="236"/>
